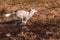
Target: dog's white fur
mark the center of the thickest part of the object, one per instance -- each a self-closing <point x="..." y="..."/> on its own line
<point x="25" y="14"/>
<point x="8" y="14"/>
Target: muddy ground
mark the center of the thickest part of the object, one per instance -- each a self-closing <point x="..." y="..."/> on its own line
<point x="44" y="25"/>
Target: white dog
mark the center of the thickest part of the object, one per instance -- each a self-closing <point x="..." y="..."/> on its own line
<point x="25" y="14"/>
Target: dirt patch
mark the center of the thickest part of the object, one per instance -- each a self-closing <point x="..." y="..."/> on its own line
<point x="44" y="25"/>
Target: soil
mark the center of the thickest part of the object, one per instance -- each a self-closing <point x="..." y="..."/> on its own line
<point x="43" y="25"/>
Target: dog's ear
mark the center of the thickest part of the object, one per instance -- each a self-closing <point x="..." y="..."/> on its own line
<point x="29" y="10"/>
<point x="16" y="11"/>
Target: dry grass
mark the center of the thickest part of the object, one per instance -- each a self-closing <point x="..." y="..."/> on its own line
<point x="45" y="24"/>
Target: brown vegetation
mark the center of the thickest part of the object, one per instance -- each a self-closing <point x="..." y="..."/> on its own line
<point x="45" y="24"/>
